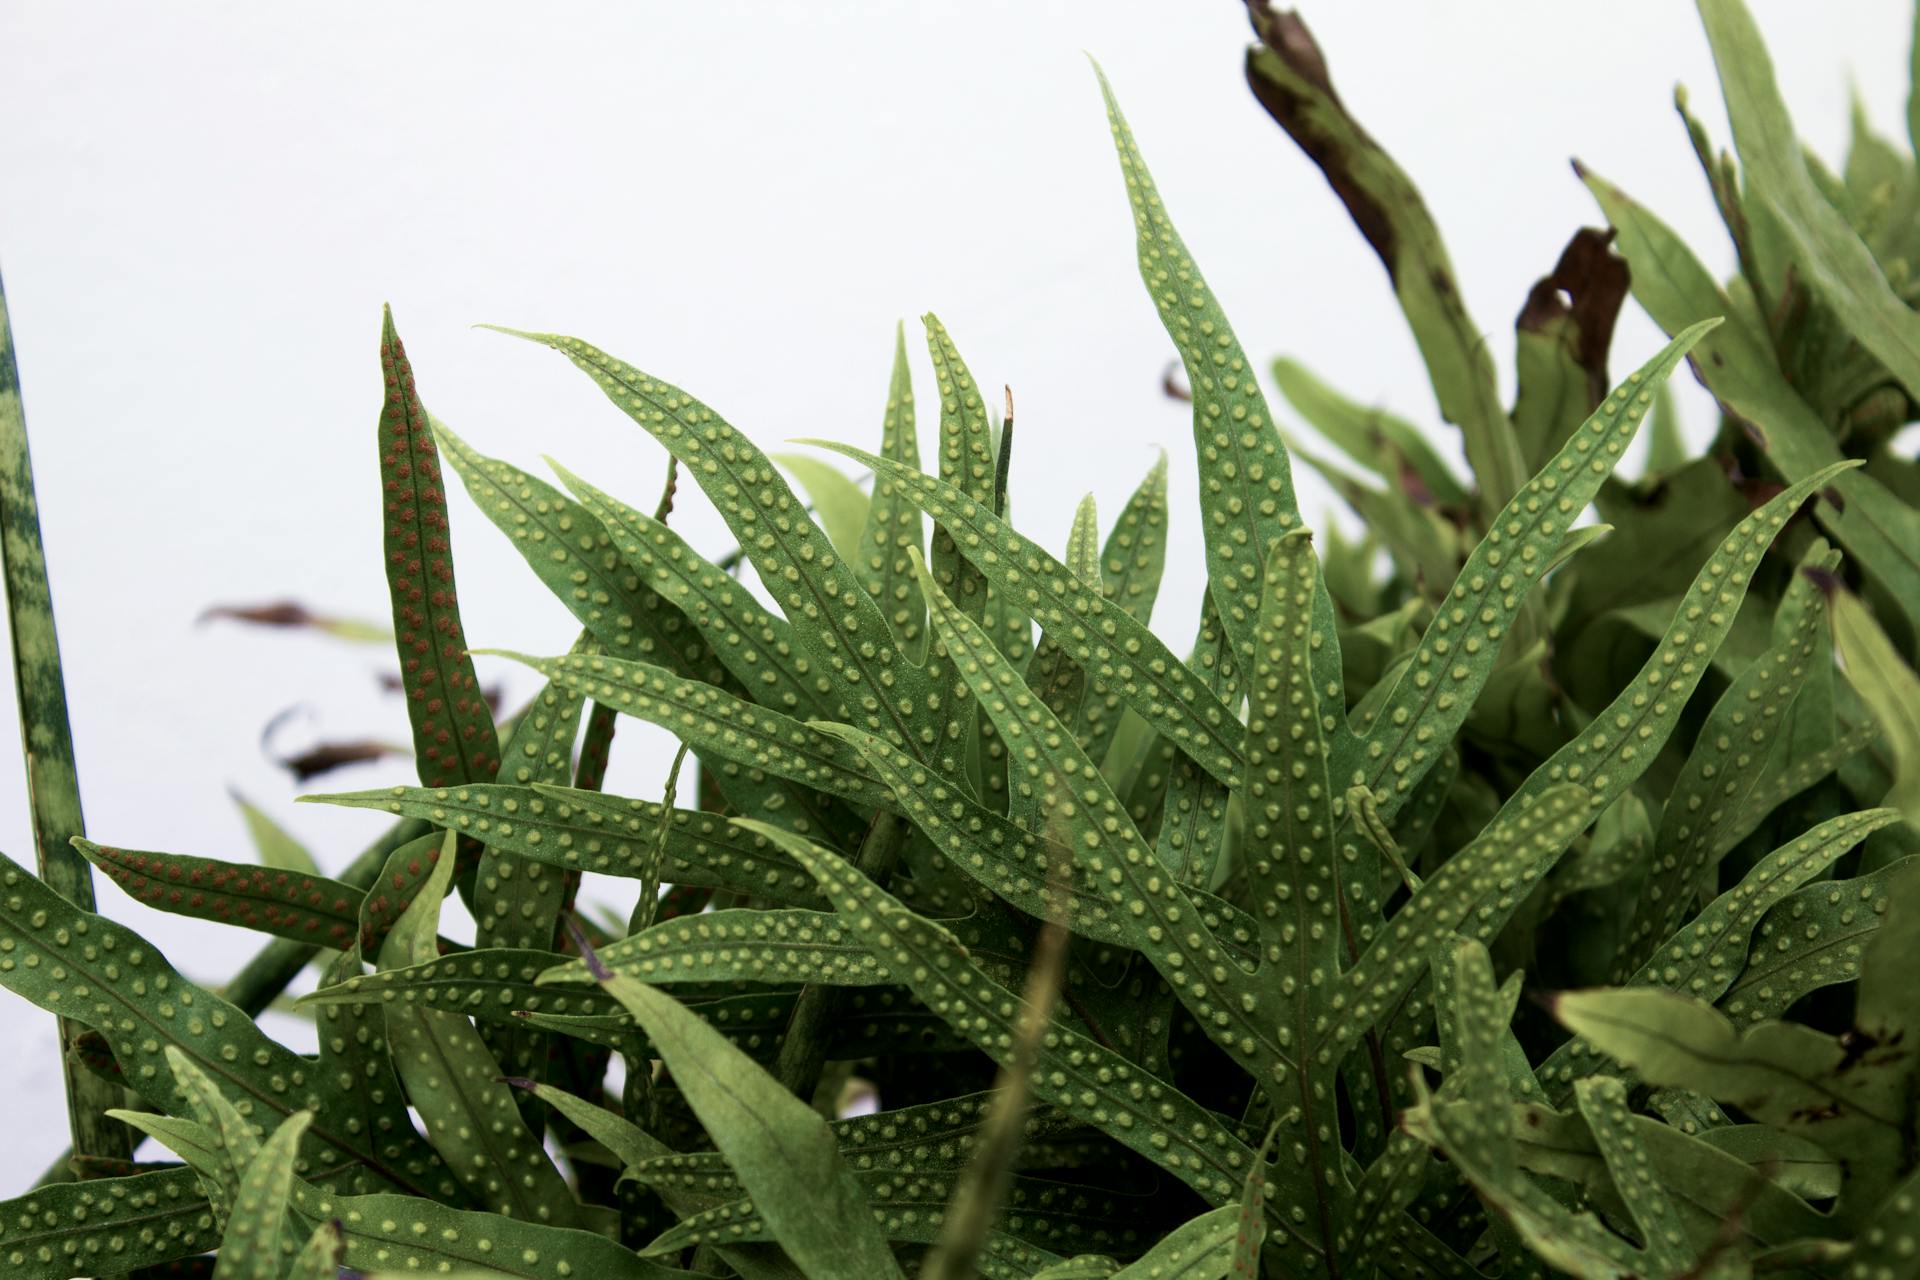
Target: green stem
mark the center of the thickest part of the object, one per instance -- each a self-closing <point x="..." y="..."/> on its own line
<point x="804" y="1051"/>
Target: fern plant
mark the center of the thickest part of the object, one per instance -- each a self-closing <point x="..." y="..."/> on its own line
<point x="1160" y="963"/>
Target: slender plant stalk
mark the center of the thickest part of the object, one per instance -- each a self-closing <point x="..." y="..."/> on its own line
<point x="53" y="786"/>
<point x="804" y="1051"/>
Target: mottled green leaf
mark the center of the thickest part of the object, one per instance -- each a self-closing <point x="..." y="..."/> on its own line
<point x="46" y="738"/>
<point x="1704" y="958"/>
<point x="1815" y="938"/>
<point x="1725" y="770"/>
<point x="716" y="723"/>
<point x="894" y="525"/>
<point x="1075" y="1073"/>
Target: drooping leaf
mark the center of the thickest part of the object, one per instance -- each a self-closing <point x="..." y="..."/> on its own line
<point x="782" y="1150"/>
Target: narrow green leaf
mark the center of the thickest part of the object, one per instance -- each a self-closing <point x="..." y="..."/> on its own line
<point x="574" y="556"/>
<point x="1115" y="648"/>
<point x="287" y="904"/>
<point x="1816" y="938"/>
<point x="830" y="611"/>
<point x="837" y="501"/>
<point x="277" y="847"/>
<point x="409" y="1235"/>
<point x="1457" y="653"/>
<point x="453" y="735"/>
<point x="104" y="976"/>
<point x="486" y="984"/>
<point x="1827" y="255"/>
<point x="757" y="647"/>
<point x="1055" y="677"/>
<point x="716" y="723"/>
<point x="1067" y="788"/>
<point x="1704" y="958"/>
<point x="1477" y="890"/>
<point x="1880" y="533"/>
<point x="1726" y="768"/>
<point x="740" y="945"/>
<point x="1603" y="1101"/>
<point x="1890" y="689"/>
<point x="251" y="1247"/>
<point x="471" y="1118"/>
<point x="782" y="1150"/>
<point x="588" y="831"/>
<point x="1246" y="482"/>
<point x="1075" y="1073"/>
<point x="893" y="525"/>
<point x="1621" y="742"/>
<point x="106" y="1225"/>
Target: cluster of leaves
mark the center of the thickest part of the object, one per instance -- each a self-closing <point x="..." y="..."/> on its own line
<point x="1158" y="966"/>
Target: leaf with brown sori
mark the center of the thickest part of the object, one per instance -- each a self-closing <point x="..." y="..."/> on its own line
<point x="453" y="736"/>
<point x="287" y="904"/>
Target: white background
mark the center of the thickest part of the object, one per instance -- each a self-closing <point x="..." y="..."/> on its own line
<point x="203" y="206"/>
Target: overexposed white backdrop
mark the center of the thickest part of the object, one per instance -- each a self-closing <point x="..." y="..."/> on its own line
<point x="203" y="206"/>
